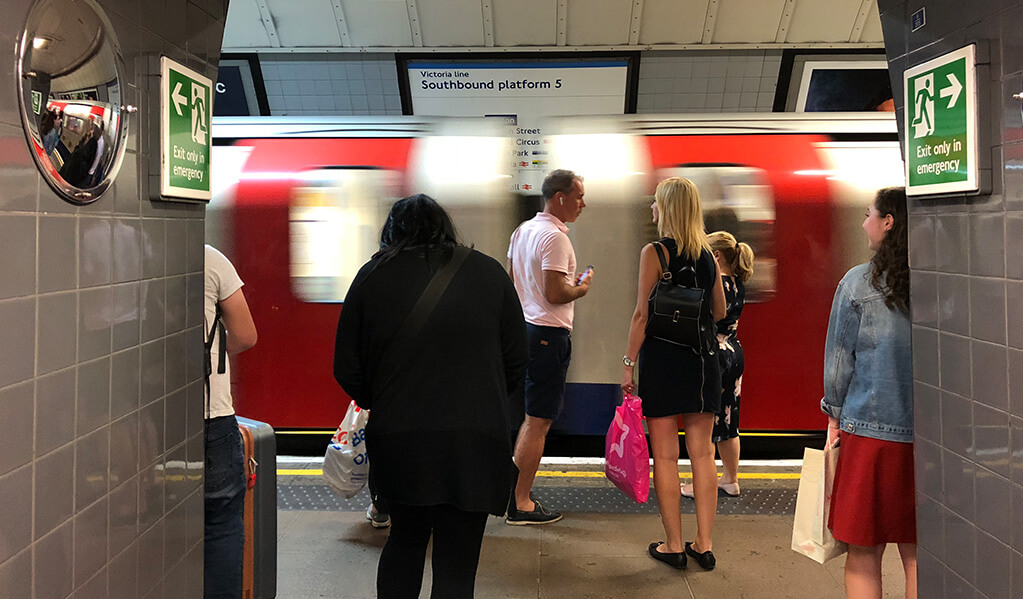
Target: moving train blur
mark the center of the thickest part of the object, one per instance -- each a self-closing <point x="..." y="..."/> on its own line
<point x="299" y="202"/>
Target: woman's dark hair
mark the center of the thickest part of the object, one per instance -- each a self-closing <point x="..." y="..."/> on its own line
<point x="889" y="268"/>
<point x="415" y="221"/>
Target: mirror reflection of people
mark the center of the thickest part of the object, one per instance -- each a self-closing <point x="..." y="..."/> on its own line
<point x="76" y="169"/>
<point x="96" y="169"/>
<point x="50" y="126"/>
<point x="868" y="398"/>
<point x="439" y="451"/>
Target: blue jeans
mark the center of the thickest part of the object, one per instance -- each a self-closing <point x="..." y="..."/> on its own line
<point x="224" y="541"/>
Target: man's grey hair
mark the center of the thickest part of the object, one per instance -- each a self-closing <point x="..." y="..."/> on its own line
<point x="558" y="180"/>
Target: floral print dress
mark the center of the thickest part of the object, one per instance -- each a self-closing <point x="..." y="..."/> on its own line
<point x="731" y="359"/>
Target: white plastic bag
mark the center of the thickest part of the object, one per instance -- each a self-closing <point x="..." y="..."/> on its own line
<point x="345" y="465"/>
<point x="810" y="534"/>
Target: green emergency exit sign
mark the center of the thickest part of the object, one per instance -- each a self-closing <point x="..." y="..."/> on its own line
<point x="941" y="124"/>
<point x="186" y="103"/>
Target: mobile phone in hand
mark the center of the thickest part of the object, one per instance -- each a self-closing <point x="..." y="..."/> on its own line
<point x="585" y="275"/>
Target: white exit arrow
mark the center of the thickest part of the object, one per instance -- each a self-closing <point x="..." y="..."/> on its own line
<point x="180" y="100"/>
<point x="952" y="90"/>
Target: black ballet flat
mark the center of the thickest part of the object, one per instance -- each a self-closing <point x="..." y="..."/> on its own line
<point x="675" y="560"/>
<point x="705" y="559"/>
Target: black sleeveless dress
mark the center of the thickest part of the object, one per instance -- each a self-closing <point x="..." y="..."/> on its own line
<point x="674" y="379"/>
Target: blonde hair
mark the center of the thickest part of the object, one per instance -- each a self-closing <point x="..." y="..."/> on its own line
<point x="739" y="256"/>
<point x="681" y="215"/>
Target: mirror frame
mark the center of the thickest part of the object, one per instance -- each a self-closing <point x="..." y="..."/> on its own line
<point x="73" y="194"/>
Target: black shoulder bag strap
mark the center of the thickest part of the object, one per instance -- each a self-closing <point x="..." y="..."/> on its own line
<point x="401" y="344"/>
<point x="665" y="273"/>
<point x="218" y="325"/>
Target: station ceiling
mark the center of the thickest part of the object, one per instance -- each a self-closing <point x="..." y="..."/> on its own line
<point x="301" y="26"/>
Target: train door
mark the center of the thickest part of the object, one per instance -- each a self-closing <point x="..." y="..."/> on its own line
<point x="305" y="217"/>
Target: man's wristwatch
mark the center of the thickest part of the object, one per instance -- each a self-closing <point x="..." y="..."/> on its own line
<point x="628" y="361"/>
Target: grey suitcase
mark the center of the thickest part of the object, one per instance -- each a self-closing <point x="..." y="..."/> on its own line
<point x="260" y="574"/>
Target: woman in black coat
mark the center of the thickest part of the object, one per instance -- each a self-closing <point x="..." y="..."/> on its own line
<point x="438" y="438"/>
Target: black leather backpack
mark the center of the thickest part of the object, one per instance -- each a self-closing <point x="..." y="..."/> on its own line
<point x="675" y="310"/>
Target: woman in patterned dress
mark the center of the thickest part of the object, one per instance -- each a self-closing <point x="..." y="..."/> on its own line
<point x="735" y="262"/>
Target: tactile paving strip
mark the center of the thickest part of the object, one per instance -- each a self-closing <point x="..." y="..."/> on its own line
<point x="752" y="502"/>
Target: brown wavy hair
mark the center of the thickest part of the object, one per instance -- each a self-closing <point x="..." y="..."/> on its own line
<point x="889" y="268"/>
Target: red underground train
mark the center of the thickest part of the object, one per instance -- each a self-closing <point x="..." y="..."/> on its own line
<point x="298" y="205"/>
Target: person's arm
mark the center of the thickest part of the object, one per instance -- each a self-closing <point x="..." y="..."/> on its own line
<point x="557" y="290"/>
<point x="839" y="352"/>
<point x="718" y="306"/>
<point x="349" y="371"/>
<point x="241" y="330"/>
<point x="99" y="155"/>
<point x="514" y="347"/>
<point x="649" y="272"/>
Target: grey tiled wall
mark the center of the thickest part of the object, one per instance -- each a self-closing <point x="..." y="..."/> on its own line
<point x="708" y="81"/>
<point x="367" y="84"/>
<point x="101" y="393"/>
<point x="967" y="294"/>
<point x="333" y="84"/>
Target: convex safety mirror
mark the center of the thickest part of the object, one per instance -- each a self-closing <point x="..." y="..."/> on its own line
<point x="70" y="72"/>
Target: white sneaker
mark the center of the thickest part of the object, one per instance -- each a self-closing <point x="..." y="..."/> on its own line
<point x="730" y="489"/>
<point x="376" y="519"/>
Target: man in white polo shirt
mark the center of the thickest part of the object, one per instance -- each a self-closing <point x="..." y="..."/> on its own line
<point x="542" y="264"/>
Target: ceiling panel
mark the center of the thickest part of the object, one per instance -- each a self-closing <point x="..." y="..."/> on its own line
<point x="525" y="22"/>
<point x="375" y="23"/>
<point x="748" y="21"/>
<point x="244" y="28"/>
<point x="537" y="23"/>
<point x="305" y="23"/>
<point x="451" y="22"/>
<point x="672" y="21"/>
<point x="830" y="21"/>
<point x="598" y="22"/>
<point x="872" y="28"/>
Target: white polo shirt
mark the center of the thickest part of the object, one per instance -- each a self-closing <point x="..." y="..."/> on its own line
<point x="541" y="243"/>
<point x="221" y="281"/>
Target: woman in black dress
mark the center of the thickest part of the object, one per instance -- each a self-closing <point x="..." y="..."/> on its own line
<point x="438" y="439"/>
<point x="735" y="262"/>
<point x="676" y="380"/>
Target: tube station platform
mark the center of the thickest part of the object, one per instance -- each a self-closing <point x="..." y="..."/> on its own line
<point x="327" y="547"/>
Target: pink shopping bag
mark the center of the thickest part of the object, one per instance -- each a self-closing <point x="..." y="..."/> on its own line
<point x="626" y="456"/>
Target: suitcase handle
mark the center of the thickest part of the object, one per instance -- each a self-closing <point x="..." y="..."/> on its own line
<point x="251" y="477"/>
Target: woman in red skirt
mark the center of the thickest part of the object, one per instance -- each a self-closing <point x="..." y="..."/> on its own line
<point x="868" y="381"/>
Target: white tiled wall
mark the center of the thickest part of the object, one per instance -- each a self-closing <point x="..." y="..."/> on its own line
<point x="704" y="81"/>
<point x="338" y="84"/>
<point x="367" y="84"/>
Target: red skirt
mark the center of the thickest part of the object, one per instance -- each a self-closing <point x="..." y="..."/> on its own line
<point x="874" y="497"/>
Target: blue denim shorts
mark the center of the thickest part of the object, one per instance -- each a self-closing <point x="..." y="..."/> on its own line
<point x="550" y="351"/>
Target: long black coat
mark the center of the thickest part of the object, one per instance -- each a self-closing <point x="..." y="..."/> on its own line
<point x="438" y="430"/>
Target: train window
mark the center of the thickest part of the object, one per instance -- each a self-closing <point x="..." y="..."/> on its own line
<point x="738" y="199"/>
<point x="335" y="219"/>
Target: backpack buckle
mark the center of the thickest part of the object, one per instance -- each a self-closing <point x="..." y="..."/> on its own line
<point x="676" y="316"/>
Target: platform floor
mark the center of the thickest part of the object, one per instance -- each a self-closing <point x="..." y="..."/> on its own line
<point x="592" y="553"/>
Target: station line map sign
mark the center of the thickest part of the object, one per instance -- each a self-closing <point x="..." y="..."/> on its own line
<point x="523" y="93"/>
<point x="941" y="124"/>
<point x="185" y="112"/>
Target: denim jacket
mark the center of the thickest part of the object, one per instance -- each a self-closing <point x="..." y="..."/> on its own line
<point x="868" y="362"/>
